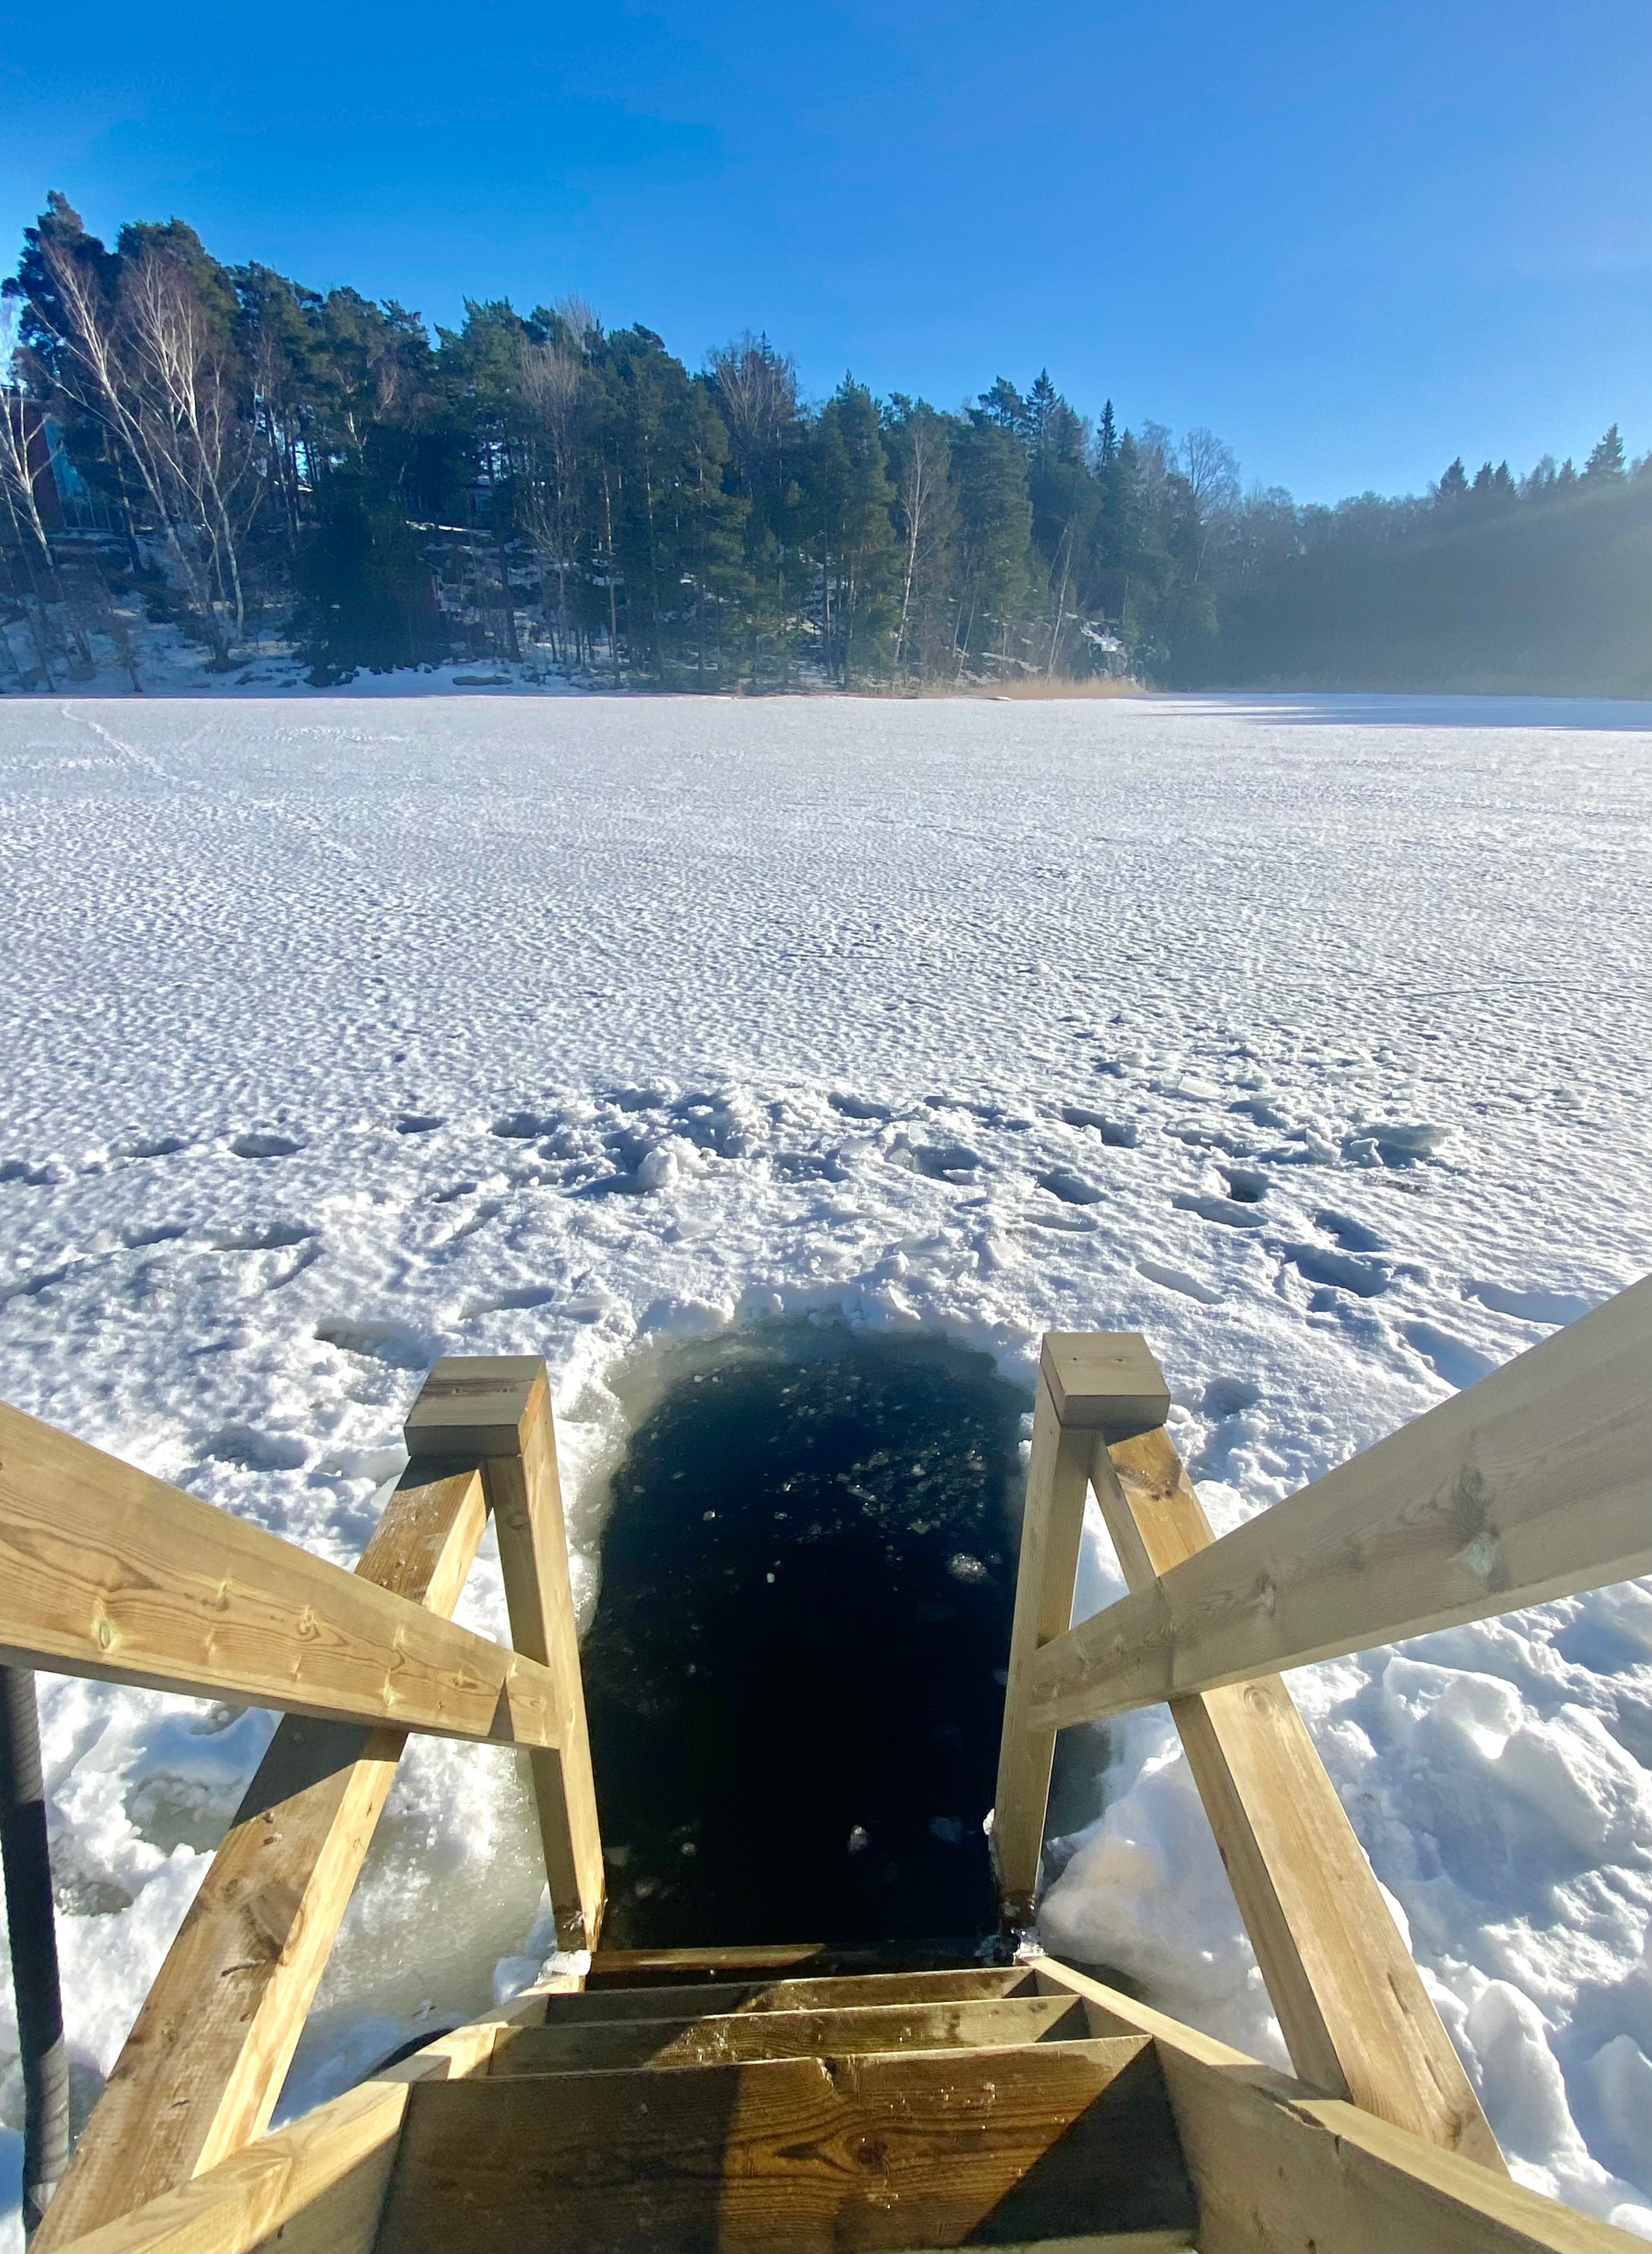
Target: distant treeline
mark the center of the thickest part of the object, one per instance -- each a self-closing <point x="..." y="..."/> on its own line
<point x="221" y="448"/>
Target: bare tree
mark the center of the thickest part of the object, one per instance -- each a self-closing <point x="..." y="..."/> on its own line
<point x="924" y="454"/>
<point x="152" y="368"/>
<point x="759" y="389"/>
<point x="552" y="383"/>
<point x="1211" y="472"/>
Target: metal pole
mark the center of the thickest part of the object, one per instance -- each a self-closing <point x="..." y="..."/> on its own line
<point x="32" y="1929"/>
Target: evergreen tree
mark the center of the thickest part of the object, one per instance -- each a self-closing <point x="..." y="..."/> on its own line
<point x="1605" y="460"/>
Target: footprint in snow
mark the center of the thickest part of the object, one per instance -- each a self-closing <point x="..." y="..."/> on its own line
<point x="418" y="1122"/>
<point x="398" y="1345"/>
<point x="253" y="1451"/>
<point x="499" y="1303"/>
<point x="1353" y="1235"/>
<point x="1071" y="1188"/>
<point x="1229" y="1396"/>
<point x="266" y="1237"/>
<point x="165" y="1232"/>
<point x="162" y="1147"/>
<point x="1449" y="1357"/>
<point x="34" y="1178"/>
<point x="1342" y="1271"/>
<point x="859" y="1107"/>
<point x="1178" y="1279"/>
<point x="523" y="1126"/>
<point x="1538" y="1306"/>
<point x="1230" y="1212"/>
<point x="258" y="1144"/>
<point x="1245" y="1185"/>
<point x="1117" y="1134"/>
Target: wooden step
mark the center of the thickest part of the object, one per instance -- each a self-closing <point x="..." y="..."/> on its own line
<point x="979" y="1983"/>
<point x="796" y="2156"/>
<point x="726" y="2038"/>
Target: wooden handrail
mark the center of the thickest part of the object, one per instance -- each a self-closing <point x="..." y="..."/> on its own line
<point x="1535" y="1483"/>
<point x="167" y="1590"/>
<point x="107" y="1571"/>
<point x="199" y="2074"/>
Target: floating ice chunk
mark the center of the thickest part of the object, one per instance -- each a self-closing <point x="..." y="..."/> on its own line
<point x="963" y="1567"/>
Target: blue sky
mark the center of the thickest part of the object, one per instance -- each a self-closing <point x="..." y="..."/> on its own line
<point x="1354" y="239"/>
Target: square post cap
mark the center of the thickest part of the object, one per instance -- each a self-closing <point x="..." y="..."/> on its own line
<point x="1104" y="1381"/>
<point x="478" y="1404"/>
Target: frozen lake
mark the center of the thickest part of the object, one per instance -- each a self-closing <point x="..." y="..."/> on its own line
<point x="1308" y="1035"/>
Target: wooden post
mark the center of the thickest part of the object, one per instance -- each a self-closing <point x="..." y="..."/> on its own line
<point x="1355" y="2014"/>
<point x="496" y="1408"/>
<point x="1086" y="1384"/>
<point x="199" y="2075"/>
<point x="1533" y="1483"/>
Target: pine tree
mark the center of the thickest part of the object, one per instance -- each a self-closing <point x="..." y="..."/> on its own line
<point x="1606" y="462"/>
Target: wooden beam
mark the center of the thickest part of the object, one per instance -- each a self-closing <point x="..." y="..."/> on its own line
<point x="1105" y="1381"/>
<point x="1534" y="1483"/>
<point x="498" y="1408"/>
<point x="727" y="2038"/>
<point x="107" y="1571"/>
<point x="1052" y="1528"/>
<point x="1355" y="2015"/>
<point x="319" y="2183"/>
<point x="1275" y="2167"/>
<point x="794" y="2156"/>
<point x="199" y="2075"/>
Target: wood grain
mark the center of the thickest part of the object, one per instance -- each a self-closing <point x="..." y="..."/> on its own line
<point x="1278" y="2169"/>
<point x="200" y="2072"/>
<point x="498" y="1408"/>
<point x="107" y="1571"/>
<point x="736" y="2037"/>
<point x="1355" y="2014"/>
<point x="316" y="2187"/>
<point x="1052" y="1529"/>
<point x="1534" y="1483"/>
<point x="842" y="1992"/>
<point x="794" y="2156"/>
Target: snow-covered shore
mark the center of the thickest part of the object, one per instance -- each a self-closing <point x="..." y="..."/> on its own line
<point x="1307" y="1034"/>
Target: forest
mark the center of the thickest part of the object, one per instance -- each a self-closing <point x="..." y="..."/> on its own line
<point x="220" y="454"/>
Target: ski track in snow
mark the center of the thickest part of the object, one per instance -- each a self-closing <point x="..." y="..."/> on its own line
<point x="1309" y="1035"/>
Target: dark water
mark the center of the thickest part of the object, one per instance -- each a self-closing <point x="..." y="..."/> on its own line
<point x="796" y="1673"/>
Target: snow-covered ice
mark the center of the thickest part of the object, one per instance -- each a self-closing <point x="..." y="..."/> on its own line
<point x="1307" y="1034"/>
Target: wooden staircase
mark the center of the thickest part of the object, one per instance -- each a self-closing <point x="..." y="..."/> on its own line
<point x="785" y="2100"/>
<point x="898" y="2109"/>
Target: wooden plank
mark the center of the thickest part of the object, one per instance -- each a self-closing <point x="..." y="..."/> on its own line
<point x="716" y="1964"/>
<point x="1275" y="2167"/>
<point x="1352" y="2005"/>
<point x="107" y="1571"/>
<point x="315" y="2187"/>
<point x="1534" y="1483"/>
<point x="200" y="2072"/>
<point x="1052" y="1528"/>
<point x="832" y="1992"/>
<point x="729" y="2038"/>
<point x="796" y="2156"/>
<point x="1105" y="1381"/>
<point x="499" y="1408"/>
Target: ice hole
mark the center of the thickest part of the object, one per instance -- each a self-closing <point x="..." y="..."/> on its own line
<point x="795" y="1686"/>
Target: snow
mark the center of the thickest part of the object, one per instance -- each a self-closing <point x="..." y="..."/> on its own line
<point x="1307" y="1034"/>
